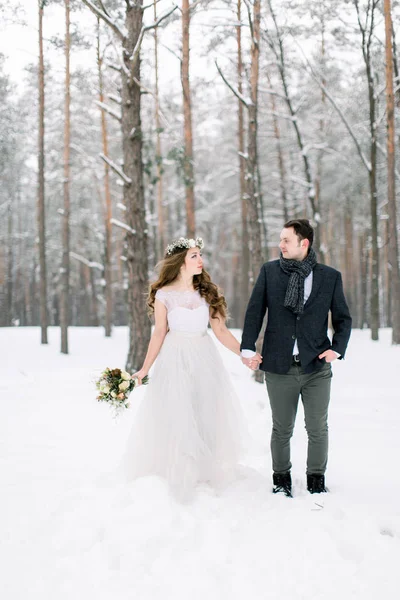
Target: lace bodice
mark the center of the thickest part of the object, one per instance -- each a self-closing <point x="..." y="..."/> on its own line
<point x="186" y="311"/>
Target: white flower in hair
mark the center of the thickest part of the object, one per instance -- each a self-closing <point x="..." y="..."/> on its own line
<point x="184" y="243"/>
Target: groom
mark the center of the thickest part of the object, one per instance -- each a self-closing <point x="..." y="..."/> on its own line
<point x="297" y="294"/>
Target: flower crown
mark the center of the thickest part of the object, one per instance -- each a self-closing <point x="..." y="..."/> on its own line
<point x="184" y="243"/>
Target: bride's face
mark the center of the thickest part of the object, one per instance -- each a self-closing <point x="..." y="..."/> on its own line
<point x="193" y="262"/>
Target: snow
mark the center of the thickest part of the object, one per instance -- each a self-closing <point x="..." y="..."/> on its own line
<point x="72" y="529"/>
<point x="123" y="226"/>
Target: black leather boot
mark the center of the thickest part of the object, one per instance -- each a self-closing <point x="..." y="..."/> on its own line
<point x="316" y="484"/>
<point x="282" y="484"/>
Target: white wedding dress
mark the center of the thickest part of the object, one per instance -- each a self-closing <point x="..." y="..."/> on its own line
<point x="189" y="427"/>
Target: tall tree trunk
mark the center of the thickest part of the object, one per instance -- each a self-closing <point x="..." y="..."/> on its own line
<point x="367" y="26"/>
<point x="161" y="209"/>
<point x="281" y="160"/>
<point x="131" y="174"/>
<point x="396" y="68"/>
<point x="252" y="175"/>
<point x="387" y="275"/>
<point x="374" y="212"/>
<point x="256" y="257"/>
<point x="41" y="190"/>
<point x="64" y="299"/>
<point x="364" y="259"/>
<point x="137" y="241"/>
<point x="318" y="175"/>
<point x="281" y="63"/>
<point x="107" y="195"/>
<point x="393" y="250"/>
<point x="349" y="281"/>
<point x="10" y="260"/>
<point x="187" y="114"/>
<point x="245" y="257"/>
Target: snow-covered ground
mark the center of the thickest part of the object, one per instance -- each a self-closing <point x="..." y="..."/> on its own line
<point x="71" y="529"/>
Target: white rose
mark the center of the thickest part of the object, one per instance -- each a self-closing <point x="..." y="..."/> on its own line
<point x="192" y="243"/>
<point x="105" y="389"/>
<point x="123" y="386"/>
<point x="113" y="394"/>
<point x="125" y="375"/>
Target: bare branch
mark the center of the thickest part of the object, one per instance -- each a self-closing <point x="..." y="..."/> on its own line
<point x="123" y="226"/>
<point x="85" y="261"/>
<point x="102" y="15"/>
<point x="116" y="169"/>
<point x="150" y="5"/>
<point x="114" y="67"/>
<point x="246" y="101"/>
<point x="116" y="99"/>
<point x="273" y="93"/>
<point x="249" y="7"/>
<point x="135" y="54"/>
<point x="366" y="163"/>
<point x="148" y="91"/>
<point x="171" y="51"/>
<point x="103" y="8"/>
<point x="108" y="110"/>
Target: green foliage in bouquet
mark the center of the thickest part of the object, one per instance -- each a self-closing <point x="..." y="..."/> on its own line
<point x="114" y="387"/>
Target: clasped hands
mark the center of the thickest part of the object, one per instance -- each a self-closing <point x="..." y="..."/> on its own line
<point x="254" y="362"/>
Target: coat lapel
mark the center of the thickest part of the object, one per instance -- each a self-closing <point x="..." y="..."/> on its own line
<point x="318" y="275"/>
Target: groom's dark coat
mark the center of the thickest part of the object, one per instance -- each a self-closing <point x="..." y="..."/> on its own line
<point x="283" y="326"/>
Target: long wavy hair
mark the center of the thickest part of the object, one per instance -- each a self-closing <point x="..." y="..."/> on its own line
<point x="169" y="269"/>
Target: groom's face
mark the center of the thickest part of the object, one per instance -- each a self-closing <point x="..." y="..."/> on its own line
<point x="290" y="245"/>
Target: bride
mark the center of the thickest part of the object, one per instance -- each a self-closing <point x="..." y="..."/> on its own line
<point x="189" y="426"/>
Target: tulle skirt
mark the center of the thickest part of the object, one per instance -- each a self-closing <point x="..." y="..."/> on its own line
<point x="189" y="427"/>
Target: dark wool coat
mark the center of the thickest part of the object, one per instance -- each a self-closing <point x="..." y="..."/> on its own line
<point x="283" y="326"/>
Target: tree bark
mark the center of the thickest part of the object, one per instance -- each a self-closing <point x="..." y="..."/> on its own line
<point x="281" y="64"/>
<point x="320" y="155"/>
<point x="281" y="160"/>
<point x="187" y="115"/>
<point x="252" y="191"/>
<point x="10" y="266"/>
<point x="161" y="209"/>
<point x="252" y="175"/>
<point x="65" y="268"/>
<point x="132" y="175"/>
<point x="137" y="243"/>
<point x="108" y="202"/>
<point x="367" y="30"/>
<point x="245" y="257"/>
<point x="393" y="252"/>
<point x="41" y="188"/>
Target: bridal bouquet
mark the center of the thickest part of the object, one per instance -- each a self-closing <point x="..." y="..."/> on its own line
<point x="114" y="387"/>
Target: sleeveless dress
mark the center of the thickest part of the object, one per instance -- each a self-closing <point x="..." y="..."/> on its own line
<point x="189" y="426"/>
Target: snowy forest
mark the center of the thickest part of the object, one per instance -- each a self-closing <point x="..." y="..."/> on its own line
<point x="137" y="121"/>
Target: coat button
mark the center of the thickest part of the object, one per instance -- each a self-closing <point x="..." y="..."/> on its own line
<point x="298" y="318"/>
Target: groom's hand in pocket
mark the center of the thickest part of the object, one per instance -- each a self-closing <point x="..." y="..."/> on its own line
<point x="329" y="356"/>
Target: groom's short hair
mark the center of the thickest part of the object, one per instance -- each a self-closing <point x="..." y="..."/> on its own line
<point x="302" y="229"/>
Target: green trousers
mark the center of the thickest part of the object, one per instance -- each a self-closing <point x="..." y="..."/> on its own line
<point x="284" y="392"/>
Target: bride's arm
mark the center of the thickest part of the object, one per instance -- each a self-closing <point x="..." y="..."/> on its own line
<point x="223" y="334"/>
<point x="157" y="339"/>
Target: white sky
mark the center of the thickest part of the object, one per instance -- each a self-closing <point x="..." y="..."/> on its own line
<point x="19" y="41"/>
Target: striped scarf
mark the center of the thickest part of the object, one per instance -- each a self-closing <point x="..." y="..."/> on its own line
<point x="298" y="271"/>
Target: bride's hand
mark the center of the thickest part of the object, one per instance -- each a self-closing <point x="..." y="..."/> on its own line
<point x="139" y="375"/>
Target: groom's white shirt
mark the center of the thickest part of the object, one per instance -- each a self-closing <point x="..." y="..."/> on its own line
<point x="307" y="291"/>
